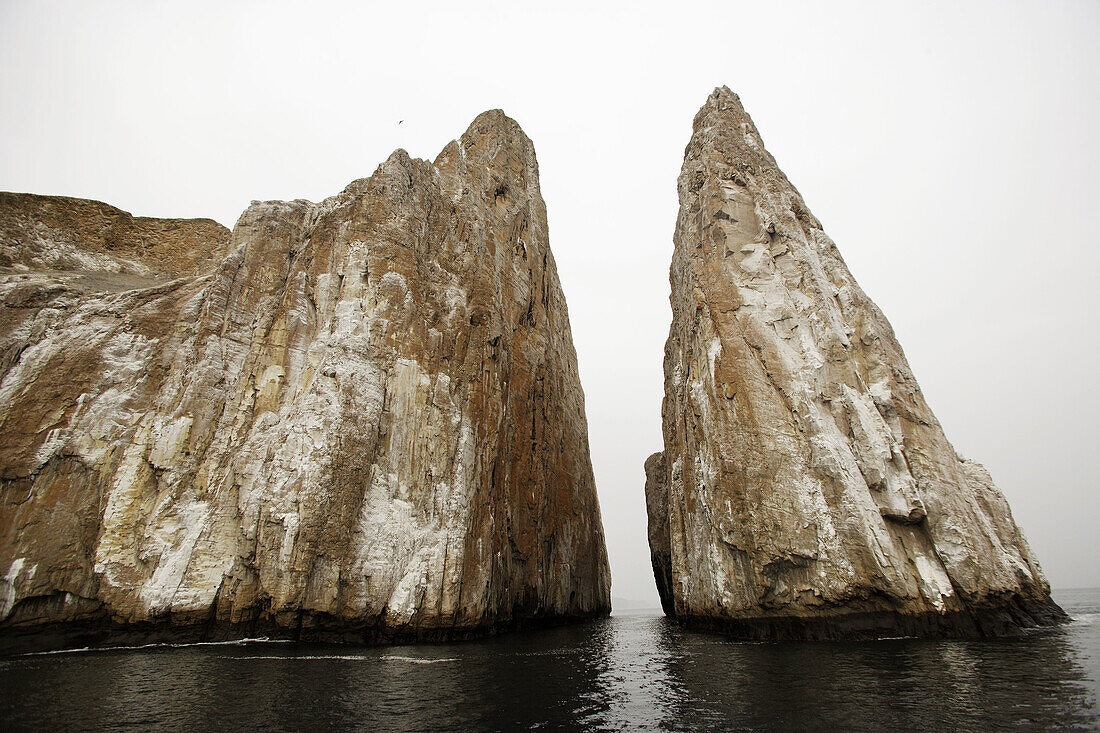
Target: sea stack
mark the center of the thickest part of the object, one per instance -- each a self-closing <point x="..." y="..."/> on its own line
<point x="805" y="489"/>
<point x="353" y="420"/>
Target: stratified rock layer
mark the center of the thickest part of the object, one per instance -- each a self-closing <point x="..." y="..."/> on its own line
<point x="806" y="489"/>
<point x="364" y="423"/>
<point x="57" y="233"/>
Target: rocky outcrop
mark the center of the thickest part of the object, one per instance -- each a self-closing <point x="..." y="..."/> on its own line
<point x="364" y="423"/>
<point x="55" y="251"/>
<point x="57" y="233"/>
<point x="805" y="488"/>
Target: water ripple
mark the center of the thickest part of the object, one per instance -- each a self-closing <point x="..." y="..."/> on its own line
<point x="630" y="672"/>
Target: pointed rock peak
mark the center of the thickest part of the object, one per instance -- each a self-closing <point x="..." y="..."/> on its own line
<point x="490" y="120"/>
<point x="495" y="157"/>
<point x="492" y="116"/>
<point x="721" y="100"/>
<point x="398" y="158"/>
<point x="399" y="163"/>
<point x="723" y="115"/>
<point x="397" y="172"/>
<point x="494" y="129"/>
<point x="806" y="489"/>
<point x="723" y="95"/>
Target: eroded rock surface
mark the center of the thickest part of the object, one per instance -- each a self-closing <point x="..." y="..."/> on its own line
<point x="57" y="233"/>
<point x="365" y="422"/>
<point x="806" y="489"/>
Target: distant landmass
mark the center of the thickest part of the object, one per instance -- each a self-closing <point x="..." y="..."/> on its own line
<point x="632" y="604"/>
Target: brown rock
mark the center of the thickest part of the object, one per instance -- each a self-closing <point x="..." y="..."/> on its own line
<point x="365" y="423"/>
<point x="805" y="488"/>
<point x="66" y="234"/>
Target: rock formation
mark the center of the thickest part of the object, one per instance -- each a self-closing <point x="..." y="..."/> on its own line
<point x="359" y="419"/>
<point x="805" y="488"/>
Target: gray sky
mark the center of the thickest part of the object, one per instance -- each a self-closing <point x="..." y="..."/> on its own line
<point x="950" y="149"/>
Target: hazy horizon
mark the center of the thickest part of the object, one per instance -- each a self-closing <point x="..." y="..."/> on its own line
<point x="949" y="151"/>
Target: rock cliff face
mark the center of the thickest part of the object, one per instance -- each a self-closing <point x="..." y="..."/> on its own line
<point x="60" y="234"/>
<point x="359" y="419"/>
<point x="806" y="489"/>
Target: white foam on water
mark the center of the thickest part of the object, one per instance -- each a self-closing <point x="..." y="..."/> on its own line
<point x="160" y="645"/>
<point x="349" y="657"/>
<point x="1083" y="619"/>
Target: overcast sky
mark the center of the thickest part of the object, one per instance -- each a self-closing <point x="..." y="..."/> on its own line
<point x="950" y="150"/>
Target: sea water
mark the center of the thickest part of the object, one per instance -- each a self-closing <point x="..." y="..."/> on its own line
<point x="633" y="671"/>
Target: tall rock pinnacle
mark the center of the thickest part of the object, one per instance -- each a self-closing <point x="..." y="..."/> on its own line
<point x="805" y="488"/>
<point x="364" y="423"/>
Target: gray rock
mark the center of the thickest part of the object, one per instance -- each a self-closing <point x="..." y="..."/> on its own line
<point x="805" y="488"/>
<point x="364" y="423"/>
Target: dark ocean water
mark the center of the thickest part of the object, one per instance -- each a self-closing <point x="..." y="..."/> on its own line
<point x="632" y="671"/>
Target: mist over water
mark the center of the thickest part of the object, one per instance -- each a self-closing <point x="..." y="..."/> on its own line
<point x="634" y="671"/>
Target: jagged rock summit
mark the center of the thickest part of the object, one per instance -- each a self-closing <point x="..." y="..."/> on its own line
<point x="357" y="420"/>
<point x="805" y="489"/>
